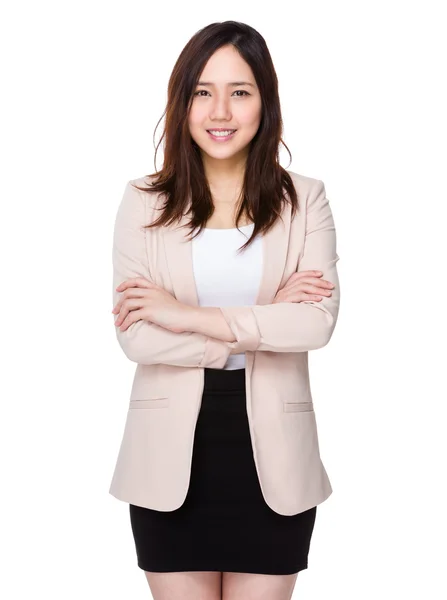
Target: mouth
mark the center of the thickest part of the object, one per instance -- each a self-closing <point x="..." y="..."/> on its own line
<point x="221" y="135"/>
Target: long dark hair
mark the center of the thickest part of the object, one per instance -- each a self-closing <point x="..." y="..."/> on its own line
<point x="182" y="177"/>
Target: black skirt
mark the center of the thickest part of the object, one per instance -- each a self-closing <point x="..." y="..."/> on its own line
<point x="224" y="523"/>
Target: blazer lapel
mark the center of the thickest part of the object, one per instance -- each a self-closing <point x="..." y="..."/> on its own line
<point x="178" y="248"/>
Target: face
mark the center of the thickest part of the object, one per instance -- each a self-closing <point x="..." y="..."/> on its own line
<point x="222" y="102"/>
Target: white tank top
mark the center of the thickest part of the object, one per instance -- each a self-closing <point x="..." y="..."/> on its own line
<point x="224" y="278"/>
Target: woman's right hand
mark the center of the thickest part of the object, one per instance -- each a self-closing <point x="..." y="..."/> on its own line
<point x="304" y="285"/>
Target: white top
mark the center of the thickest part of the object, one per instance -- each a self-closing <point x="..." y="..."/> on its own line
<point x="225" y="278"/>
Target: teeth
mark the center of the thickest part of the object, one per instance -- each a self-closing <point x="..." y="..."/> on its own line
<point x="221" y="133"/>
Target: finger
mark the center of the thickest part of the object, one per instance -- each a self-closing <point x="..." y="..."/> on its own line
<point x="312" y="289"/>
<point x="317" y="283"/>
<point x="311" y="297"/>
<point x="323" y="283"/>
<point x="124" y="312"/>
<point x="298" y="297"/>
<point x="134" y="282"/>
<point x="297" y="284"/>
<point x="121" y="316"/>
<point x="306" y="288"/>
<point x="307" y="297"/>
<point x="313" y="273"/>
<point x="117" y="308"/>
<point x="298" y="275"/>
<point x="315" y="288"/>
<point x="130" y="293"/>
<point x="327" y="283"/>
<point x="132" y="317"/>
<point x="127" y="306"/>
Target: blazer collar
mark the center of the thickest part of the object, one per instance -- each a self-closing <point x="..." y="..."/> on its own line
<point x="178" y="248"/>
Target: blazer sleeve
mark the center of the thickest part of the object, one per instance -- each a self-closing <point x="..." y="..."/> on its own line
<point x="296" y="326"/>
<point x="144" y="342"/>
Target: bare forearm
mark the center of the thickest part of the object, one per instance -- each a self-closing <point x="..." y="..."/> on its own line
<point x="209" y="321"/>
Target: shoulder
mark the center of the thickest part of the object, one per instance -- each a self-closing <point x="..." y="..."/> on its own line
<point x="147" y="195"/>
<point x="310" y="190"/>
<point x="142" y="202"/>
<point x="143" y="181"/>
<point x="304" y="184"/>
<point x="137" y="207"/>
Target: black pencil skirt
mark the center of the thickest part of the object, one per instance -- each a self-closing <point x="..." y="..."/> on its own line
<point x="224" y="523"/>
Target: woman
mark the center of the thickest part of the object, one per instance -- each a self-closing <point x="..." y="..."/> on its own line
<point x="219" y="460"/>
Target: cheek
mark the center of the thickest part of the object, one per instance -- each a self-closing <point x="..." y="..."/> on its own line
<point x="193" y="124"/>
<point x="250" y="116"/>
<point x="196" y="117"/>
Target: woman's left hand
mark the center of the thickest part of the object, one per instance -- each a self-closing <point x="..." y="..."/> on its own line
<point x="144" y="300"/>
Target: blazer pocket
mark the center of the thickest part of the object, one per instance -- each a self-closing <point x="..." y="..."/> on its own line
<point x="149" y="403"/>
<point x="298" y="406"/>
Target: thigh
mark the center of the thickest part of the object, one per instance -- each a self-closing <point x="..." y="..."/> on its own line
<point x="185" y="585"/>
<point x="249" y="586"/>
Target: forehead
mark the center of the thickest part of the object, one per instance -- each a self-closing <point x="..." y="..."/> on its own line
<point x="226" y="66"/>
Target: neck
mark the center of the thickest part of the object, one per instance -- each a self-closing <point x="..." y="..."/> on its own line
<point x="225" y="174"/>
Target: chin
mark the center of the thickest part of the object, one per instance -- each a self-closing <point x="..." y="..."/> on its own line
<point x="220" y="155"/>
<point x="223" y="151"/>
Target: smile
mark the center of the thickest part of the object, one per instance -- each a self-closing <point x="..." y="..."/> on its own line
<point x="221" y="136"/>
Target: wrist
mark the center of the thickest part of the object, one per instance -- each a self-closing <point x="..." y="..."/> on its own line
<point x="209" y="321"/>
<point x="193" y="319"/>
<point x="199" y="319"/>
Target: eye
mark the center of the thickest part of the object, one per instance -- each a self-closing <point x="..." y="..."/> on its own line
<point x="199" y="93"/>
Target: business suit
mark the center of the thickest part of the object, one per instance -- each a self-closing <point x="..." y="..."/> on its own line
<point x="154" y="460"/>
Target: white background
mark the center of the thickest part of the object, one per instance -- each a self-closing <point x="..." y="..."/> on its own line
<point x="362" y="87"/>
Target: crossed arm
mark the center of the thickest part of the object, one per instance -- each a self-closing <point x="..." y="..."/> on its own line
<point x="215" y="333"/>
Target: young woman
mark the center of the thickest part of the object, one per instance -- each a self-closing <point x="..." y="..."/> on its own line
<point x="220" y="461"/>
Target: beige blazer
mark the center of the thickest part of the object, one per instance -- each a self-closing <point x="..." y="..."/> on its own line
<point x="154" y="460"/>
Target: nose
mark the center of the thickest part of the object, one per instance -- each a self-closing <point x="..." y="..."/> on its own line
<point x="220" y="108"/>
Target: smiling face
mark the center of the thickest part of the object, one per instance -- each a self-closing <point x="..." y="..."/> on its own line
<point x="226" y="98"/>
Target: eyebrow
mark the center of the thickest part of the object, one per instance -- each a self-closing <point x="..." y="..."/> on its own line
<point x="234" y="83"/>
